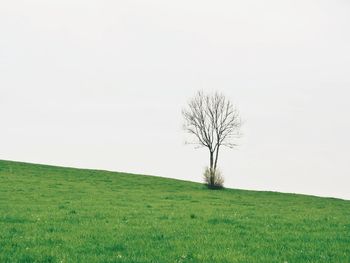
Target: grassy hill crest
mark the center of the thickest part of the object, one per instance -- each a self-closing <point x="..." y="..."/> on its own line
<point x="56" y="214"/>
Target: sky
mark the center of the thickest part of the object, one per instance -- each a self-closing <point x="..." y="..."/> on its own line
<point x="101" y="84"/>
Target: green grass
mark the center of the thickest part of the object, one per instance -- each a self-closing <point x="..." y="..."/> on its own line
<point x="53" y="214"/>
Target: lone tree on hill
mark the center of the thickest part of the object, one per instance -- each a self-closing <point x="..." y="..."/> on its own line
<point x="214" y="122"/>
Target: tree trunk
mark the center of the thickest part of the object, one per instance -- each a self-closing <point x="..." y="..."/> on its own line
<point x="216" y="158"/>
<point x="211" y="168"/>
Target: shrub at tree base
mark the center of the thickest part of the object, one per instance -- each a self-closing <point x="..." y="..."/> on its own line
<point x="213" y="178"/>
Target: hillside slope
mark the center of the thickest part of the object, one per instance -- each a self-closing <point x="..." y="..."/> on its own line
<point x="53" y="214"/>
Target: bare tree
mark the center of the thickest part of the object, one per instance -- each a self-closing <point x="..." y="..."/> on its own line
<point x="214" y="122"/>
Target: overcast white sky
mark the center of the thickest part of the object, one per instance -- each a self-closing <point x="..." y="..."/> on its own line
<point x="101" y="84"/>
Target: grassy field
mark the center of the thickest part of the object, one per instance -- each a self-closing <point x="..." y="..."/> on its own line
<point x="52" y="214"/>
